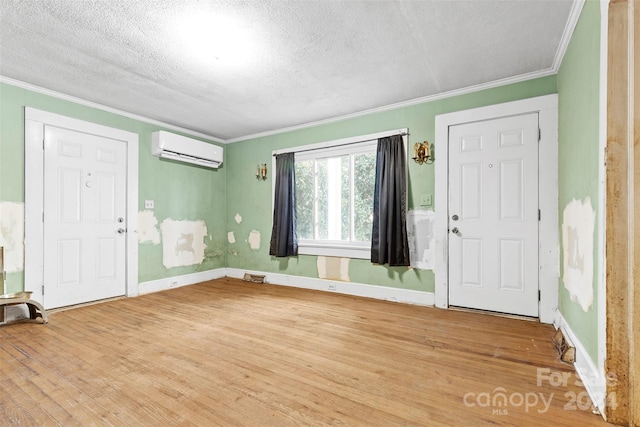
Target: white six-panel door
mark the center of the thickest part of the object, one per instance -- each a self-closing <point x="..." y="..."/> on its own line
<point x="493" y="215"/>
<point x="85" y="217"/>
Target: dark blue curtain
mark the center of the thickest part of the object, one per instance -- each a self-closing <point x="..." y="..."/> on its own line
<point x="389" y="243"/>
<point x="284" y="241"/>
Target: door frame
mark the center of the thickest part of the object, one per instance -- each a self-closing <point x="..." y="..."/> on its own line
<point x="548" y="259"/>
<point x="34" y="124"/>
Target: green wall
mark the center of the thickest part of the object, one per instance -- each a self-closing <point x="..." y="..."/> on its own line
<point x="180" y="191"/>
<point x="579" y="104"/>
<point x="251" y="198"/>
<point x="217" y="196"/>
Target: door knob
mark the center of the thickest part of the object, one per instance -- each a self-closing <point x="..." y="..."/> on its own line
<point x="121" y="230"/>
<point x="455" y="230"/>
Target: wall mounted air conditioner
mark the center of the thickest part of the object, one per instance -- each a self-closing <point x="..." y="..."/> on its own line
<point x="171" y="146"/>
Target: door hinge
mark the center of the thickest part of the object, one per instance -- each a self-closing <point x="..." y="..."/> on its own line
<point x="539" y="215"/>
<point x="539" y="134"/>
<point x="42" y="289"/>
<point x="42" y="216"/>
<point x="539" y="295"/>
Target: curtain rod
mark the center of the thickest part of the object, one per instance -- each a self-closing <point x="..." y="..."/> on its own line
<point x="339" y="145"/>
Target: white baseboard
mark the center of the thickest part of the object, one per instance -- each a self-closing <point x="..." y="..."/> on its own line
<point x="349" y="288"/>
<point x="593" y="378"/>
<point x="358" y="289"/>
<point x="177" y="281"/>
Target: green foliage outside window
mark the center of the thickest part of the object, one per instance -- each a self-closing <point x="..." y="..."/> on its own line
<point x="313" y="181"/>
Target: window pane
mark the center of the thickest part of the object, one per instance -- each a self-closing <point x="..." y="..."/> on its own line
<point x="333" y="198"/>
<point x="304" y="198"/>
<point x="322" y="213"/>
<point x="364" y="185"/>
<point x="345" y="198"/>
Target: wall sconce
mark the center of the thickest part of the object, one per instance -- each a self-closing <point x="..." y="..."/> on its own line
<point x="261" y="171"/>
<point x="422" y="152"/>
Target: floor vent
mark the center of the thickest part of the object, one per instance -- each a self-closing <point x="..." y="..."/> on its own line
<point x="253" y="278"/>
<point x="566" y="352"/>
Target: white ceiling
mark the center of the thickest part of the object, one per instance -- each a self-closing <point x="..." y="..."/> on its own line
<point x="301" y="62"/>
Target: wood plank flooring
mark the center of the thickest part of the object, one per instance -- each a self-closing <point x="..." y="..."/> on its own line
<point x="232" y="353"/>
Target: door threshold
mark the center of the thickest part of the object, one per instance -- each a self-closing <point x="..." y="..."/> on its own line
<point x="83" y="304"/>
<point x="494" y="313"/>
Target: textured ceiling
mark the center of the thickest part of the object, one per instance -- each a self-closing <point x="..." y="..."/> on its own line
<point x="301" y="62"/>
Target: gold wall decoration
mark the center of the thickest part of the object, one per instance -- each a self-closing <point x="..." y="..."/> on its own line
<point x="261" y="171"/>
<point x="421" y="152"/>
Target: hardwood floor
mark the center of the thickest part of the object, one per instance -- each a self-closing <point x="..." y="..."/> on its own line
<point x="232" y="353"/>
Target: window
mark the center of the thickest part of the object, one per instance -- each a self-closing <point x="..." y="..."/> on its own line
<point x="335" y="183"/>
<point x="334" y="198"/>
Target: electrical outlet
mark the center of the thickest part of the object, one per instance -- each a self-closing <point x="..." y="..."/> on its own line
<point x="332" y="286"/>
<point x="148" y="204"/>
<point x="426" y="200"/>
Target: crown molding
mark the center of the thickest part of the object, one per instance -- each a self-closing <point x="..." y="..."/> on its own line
<point x="411" y="102"/>
<point x="572" y="21"/>
<point x="91" y="104"/>
<point x="403" y="104"/>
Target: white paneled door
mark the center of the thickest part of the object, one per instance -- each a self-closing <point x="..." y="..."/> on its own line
<point x="84" y="217"/>
<point x="493" y="215"/>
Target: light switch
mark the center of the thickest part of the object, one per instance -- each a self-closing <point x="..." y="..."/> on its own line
<point x="148" y="204"/>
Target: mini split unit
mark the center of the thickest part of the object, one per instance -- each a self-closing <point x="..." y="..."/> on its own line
<point x="182" y="149"/>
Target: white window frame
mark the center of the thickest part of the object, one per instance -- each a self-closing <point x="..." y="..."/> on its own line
<point x="335" y="148"/>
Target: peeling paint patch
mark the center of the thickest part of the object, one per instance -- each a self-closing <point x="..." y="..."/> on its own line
<point x="213" y="253"/>
<point x="231" y="237"/>
<point x="12" y="235"/>
<point x="578" y="223"/>
<point x="182" y="242"/>
<point x="422" y="238"/>
<point x="333" y="268"/>
<point x="254" y="239"/>
<point x="238" y="218"/>
<point x="147" y="228"/>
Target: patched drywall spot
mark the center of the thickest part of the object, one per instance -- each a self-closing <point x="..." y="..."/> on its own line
<point x="422" y="238"/>
<point x="231" y="237"/>
<point x="254" y="240"/>
<point x="333" y="268"/>
<point x="12" y="235"/>
<point x="578" y="223"/>
<point x="238" y="218"/>
<point x="148" y="228"/>
<point x="213" y="253"/>
<point x="182" y="242"/>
